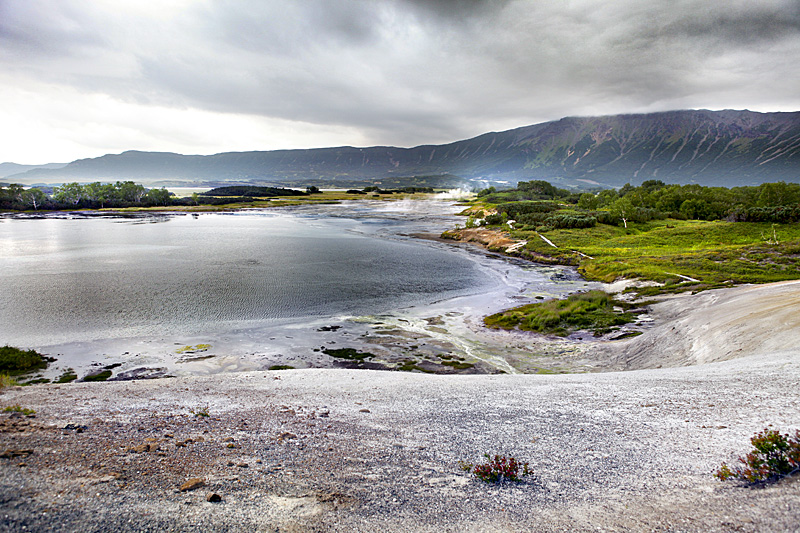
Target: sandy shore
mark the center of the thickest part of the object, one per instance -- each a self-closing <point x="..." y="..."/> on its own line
<point x="359" y="450"/>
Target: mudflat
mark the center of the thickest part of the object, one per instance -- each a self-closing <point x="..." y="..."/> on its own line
<point x="360" y="450"/>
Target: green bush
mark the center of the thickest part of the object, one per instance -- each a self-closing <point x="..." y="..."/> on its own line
<point x="514" y="209"/>
<point x="15" y="361"/>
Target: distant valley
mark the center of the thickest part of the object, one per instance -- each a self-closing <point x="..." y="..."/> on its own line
<point x="720" y="148"/>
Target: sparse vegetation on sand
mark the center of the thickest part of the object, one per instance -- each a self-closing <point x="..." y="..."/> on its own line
<point x="16" y="408"/>
<point x="498" y="468"/>
<point x="774" y="456"/>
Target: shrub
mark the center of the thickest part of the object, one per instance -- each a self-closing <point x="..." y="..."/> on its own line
<point x="514" y="209"/>
<point x="201" y="412"/>
<point x="570" y="221"/>
<point x="7" y="381"/>
<point x="494" y="219"/>
<point x="15" y="361"/>
<point x="498" y="468"/>
<point x="774" y="456"/>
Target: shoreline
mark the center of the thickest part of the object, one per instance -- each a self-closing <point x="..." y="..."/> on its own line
<point x="361" y="450"/>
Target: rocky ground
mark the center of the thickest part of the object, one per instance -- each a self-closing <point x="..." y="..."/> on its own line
<point x="363" y="450"/>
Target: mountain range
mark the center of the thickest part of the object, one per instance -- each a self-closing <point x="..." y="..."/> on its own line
<point x="724" y="148"/>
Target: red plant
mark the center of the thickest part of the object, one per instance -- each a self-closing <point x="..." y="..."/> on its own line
<point x="498" y="468"/>
<point x="775" y="456"/>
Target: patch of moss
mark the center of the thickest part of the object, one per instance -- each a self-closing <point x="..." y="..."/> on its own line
<point x="68" y="376"/>
<point x="458" y="365"/>
<point x="99" y="376"/>
<point x="281" y="367"/>
<point x="35" y="381"/>
<point x="18" y="409"/>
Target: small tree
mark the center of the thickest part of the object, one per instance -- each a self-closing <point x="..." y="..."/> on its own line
<point x="34" y="198"/>
<point x="69" y="193"/>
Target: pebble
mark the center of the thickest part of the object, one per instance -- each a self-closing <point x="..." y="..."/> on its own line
<point x="194" y="483"/>
<point x="213" y="497"/>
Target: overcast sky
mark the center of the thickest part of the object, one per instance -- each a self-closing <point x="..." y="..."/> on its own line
<point x="81" y="78"/>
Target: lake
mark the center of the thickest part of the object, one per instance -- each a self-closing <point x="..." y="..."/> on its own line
<point x="261" y="287"/>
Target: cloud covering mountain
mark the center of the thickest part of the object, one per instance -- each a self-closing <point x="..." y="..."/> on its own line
<point x="726" y="148"/>
<point x="80" y="79"/>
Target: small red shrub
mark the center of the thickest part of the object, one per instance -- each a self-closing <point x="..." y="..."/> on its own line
<point x="498" y="468"/>
<point x="774" y="456"/>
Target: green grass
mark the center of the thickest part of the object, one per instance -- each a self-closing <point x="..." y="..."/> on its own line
<point x="664" y="250"/>
<point x="593" y="311"/>
<point x="18" y="409"/>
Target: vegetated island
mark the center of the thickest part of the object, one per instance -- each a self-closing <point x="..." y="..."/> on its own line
<point x="359" y="450"/>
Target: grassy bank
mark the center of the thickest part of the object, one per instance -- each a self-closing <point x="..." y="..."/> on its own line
<point x="671" y="251"/>
<point x="728" y="237"/>
<point x="594" y="311"/>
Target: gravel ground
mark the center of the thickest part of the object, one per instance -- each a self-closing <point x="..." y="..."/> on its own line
<point x="350" y="450"/>
<point x="363" y="450"/>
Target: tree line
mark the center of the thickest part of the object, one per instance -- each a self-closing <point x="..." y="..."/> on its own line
<point x="88" y="196"/>
<point x="533" y="203"/>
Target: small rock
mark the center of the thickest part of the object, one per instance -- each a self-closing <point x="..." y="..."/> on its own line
<point x="213" y="497"/>
<point x="9" y="454"/>
<point x="243" y="465"/>
<point x="363" y="411"/>
<point x="144" y="448"/>
<point x="228" y="439"/>
<point x="194" y="483"/>
<point x="286" y="436"/>
<point x="230" y="463"/>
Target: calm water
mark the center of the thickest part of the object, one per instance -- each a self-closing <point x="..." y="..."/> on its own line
<point x="262" y="287"/>
<point x="68" y="280"/>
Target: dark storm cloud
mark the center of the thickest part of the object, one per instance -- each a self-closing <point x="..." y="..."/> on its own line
<point x="747" y="24"/>
<point x="413" y="71"/>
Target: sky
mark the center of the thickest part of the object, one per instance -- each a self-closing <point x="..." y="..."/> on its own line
<point x="82" y="78"/>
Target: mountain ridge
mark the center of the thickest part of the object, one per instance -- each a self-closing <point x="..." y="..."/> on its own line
<point x="727" y="148"/>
